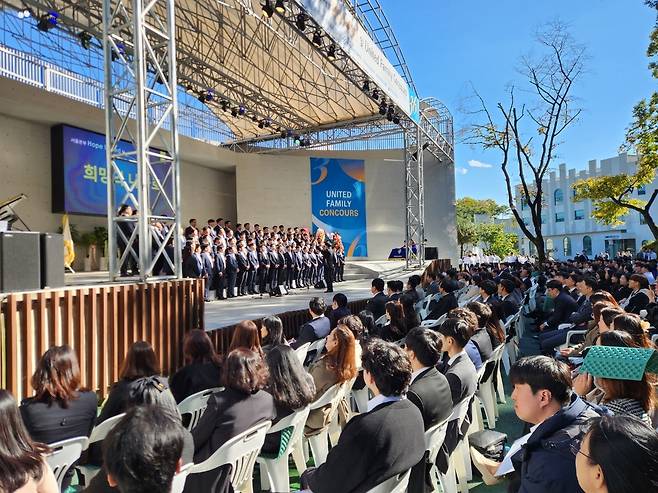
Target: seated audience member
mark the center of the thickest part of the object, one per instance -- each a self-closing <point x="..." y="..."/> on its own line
<point x="429" y="390"/>
<point x="619" y="454"/>
<point x="488" y="291"/>
<point x="144" y="451"/>
<point x="447" y="302"/>
<point x="471" y="348"/>
<point x="414" y="289"/>
<point x="60" y="409"/>
<point x="394" y="329"/>
<point x="141" y="361"/>
<point x="381" y="443"/>
<point x="639" y="297"/>
<point x="603" y="312"/>
<point x="411" y="318"/>
<point x="291" y="387"/>
<point x="336" y="366"/>
<point x="271" y="333"/>
<point x="489" y="321"/>
<point x="339" y="309"/>
<point x="377" y="304"/>
<point x="22" y="465"/>
<point x="241" y="405"/>
<point x="462" y="378"/>
<point x="563" y="306"/>
<point x="150" y="393"/>
<point x="317" y="328"/>
<point x="368" y="321"/>
<point x="394" y="290"/>
<point x="355" y="326"/>
<point x="631" y="323"/>
<point x="508" y="304"/>
<point x="543" y="398"/>
<point x="202" y="368"/>
<point x="245" y="336"/>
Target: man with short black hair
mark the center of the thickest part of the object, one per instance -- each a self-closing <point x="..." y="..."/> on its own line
<point x="543" y="397"/>
<point x="377" y="304"/>
<point x="563" y="306"/>
<point x="508" y="305"/>
<point x="317" y="328"/>
<point x="143" y="451"/>
<point x="487" y="291"/>
<point x="447" y="302"/>
<point x="379" y="444"/>
<point x="571" y="284"/>
<point x="339" y="309"/>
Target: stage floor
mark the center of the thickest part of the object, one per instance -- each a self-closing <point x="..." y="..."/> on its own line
<point x="358" y="275"/>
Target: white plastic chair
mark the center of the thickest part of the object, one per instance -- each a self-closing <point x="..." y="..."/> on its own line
<point x="486" y="392"/>
<point x="98" y="434"/>
<point x="434" y="323"/>
<point x="196" y="405"/>
<point x="459" y="463"/>
<point x="178" y="484"/>
<point x="396" y="484"/>
<point x="274" y="472"/>
<point x="240" y="452"/>
<point x="381" y="321"/>
<point x="318" y="347"/>
<point x="425" y="305"/>
<point x="302" y="351"/>
<point x="434" y="438"/>
<point x="570" y="335"/>
<point x="654" y="339"/>
<point x="63" y="456"/>
<point x="319" y="443"/>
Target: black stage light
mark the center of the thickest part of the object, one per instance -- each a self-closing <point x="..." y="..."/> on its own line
<point x="375" y="94"/>
<point x="202" y="97"/>
<point x="331" y="53"/>
<point x="224" y="105"/>
<point x="280" y="7"/>
<point x="48" y="21"/>
<point x="210" y="95"/>
<point x="254" y="118"/>
<point x="396" y="119"/>
<point x="242" y="110"/>
<point x="284" y="134"/>
<point x="382" y="109"/>
<point x="234" y="112"/>
<point x="189" y="89"/>
<point x="85" y="39"/>
<point x="389" y="116"/>
<point x="301" y="22"/>
<point x="268" y="10"/>
<point x="366" y="86"/>
<point x="268" y="123"/>
<point x="317" y="39"/>
<point x="261" y="124"/>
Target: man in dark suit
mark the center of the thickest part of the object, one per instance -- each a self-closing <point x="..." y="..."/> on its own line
<point x="273" y="275"/>
<point x="379" y="444"/>
<point x="208" y="272"/>
<point x="508" y="305"/>
<point x="525" y="278"/>
<point x="377" y="304"/>
<point x="447" y="302"/>
<point x="193" y="264"/>
<point x="429" y="391"/>
<point x="563" y="306"/>
<point x="252" y="256"/>
<point x="231" y="272"/>
<point x="462" y="378"/>
<point x="220" y="270"/>
<point x="263" y="269"/>
<point x="317" y="328"/>
<point x="328" y="256"/>
<point x="339" y="309"/>
<point x="191" y="230"/>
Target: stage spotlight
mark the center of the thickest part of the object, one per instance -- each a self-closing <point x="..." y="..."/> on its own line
<point x="48" y="21"/>
<point x="389" y="116"/>
<point x="268" y="10"/>
<point x="301" y="22"/>
<point x="396" y="119"/>
<point x="280" y="7"/>
<point x="254" y="118"/>
<point x="375" y="94"/>
<point x="317" y="39"/>
<point x="234" y="112"/>
<point x="366" y="86"/>
<point x="85" y="39"/>
<point x="296" y="139"/>
<point x="210" y="94"/>
<point x="242" y="110"/>
<point x="268" y="123"/>
<point x="331" y="53"/>
<point x="189" y="89"/>
<point x="24" y="14"/>
<point x="284" y="134"/>
<point x="202" y="96"/>
<point x="224" y="105"/>
<point x="382" y="109"/>
<point x="289" y="133"/>
<point x="261" y="124"/>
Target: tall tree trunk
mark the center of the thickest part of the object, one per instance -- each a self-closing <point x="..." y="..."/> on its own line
<point x="650" y="222"/>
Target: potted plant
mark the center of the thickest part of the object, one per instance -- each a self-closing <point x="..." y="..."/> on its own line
<point x="100" y="233"/>
<point x="88" y="240"/>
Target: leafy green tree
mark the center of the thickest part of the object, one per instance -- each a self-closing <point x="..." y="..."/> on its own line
<point x="468" y="231"/>
<point x="495" y="240"/>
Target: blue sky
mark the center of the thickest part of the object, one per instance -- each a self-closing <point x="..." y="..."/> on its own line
<point x="450" y="44"/>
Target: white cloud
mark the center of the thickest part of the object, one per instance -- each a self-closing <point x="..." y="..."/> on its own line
<point x="479" y="164"/>
<point x="461" y="171"/>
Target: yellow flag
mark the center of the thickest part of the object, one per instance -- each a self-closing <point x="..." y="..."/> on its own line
<point x="69" y="251"/>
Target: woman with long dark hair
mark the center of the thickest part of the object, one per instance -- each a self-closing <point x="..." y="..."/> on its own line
<point x="338" y="365"/>
<point x="271" y="332"/>
<point x="368" y="322"/>
<point x="22" y="465"/>
<point x="488" y="319"/>
<point x="619" y="454"/>
<point x="290" y="385"/>
<point x="631" y="323"/>
<point x="202" y="368"/>
<point x="394" y="329"/>
<point x="411" y="318"/>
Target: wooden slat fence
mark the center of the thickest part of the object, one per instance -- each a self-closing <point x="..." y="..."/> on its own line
<point x="100" y="323"/>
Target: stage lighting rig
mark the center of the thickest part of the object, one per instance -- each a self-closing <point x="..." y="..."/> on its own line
<point x="375" y="94"/>
<point x="396" y="119"/>
<point x="382" y="109"/>
<point x="261" y="124"/>
<point x="48" y="21"/>
<point x="301" y="21"/>
<point x="85" y="39"/>
<point x="317" y="39"/>
<point x="24" y="14"/>
<point x="366" y="86"/>
<point x="267" y="9"/>
<point x="331" y="53"/>
<point x="280" y="7"/>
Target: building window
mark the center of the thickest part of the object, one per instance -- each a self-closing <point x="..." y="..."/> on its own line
<point x="524" y="203"/>
<point x="558" y="196"/>
<point x="549" y="245"/>
<point x="579" y="214"/>
<point x="559" y="217"/>
<point x="642" y="220"/>
<point x="642" y="190"/>
<point x="566" y="246"/>
<point x="587" y="245"/>
<point x="573" y="194"/>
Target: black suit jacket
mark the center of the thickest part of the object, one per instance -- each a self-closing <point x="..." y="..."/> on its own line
<point x="377" y="305"/>
<point x="194" y="378"/>
<point x="51" y="422"/>
<point x="564" y="305"/>
<point x="231" y="263"/>
<point x="507" y="307"/>
<point x="337" y="314"/>
<point x="482" y="341"/>
<point x="637" y="302"/>
<point x="193" y="266"/>
<point x="228" y="413"/>
<point x="373" y="447"/>
<point x="443" y="306"/>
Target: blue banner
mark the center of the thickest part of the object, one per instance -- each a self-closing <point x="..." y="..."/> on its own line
<point x="338" y="201"/>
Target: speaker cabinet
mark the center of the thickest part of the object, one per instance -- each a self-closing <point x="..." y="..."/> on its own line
<point x="20" y="261"/>
<point x="52" y="260"/>
<point x="431" y="253"/>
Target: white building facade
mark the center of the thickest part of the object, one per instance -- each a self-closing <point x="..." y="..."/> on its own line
<point x="569" y="228"/>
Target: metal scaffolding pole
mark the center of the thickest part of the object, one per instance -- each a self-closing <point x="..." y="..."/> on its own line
<point x="140" y="96"/>
<point x="414" y="195"/>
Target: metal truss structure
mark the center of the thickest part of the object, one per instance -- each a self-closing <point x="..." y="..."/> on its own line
<point x="278" y="85"/>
